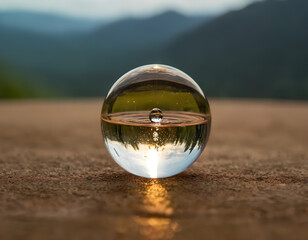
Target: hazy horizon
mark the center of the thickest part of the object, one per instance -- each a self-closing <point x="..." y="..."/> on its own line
<point x="116" y="9"/>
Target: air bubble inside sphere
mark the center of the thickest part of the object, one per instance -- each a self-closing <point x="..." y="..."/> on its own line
<point x="155" y="121"/>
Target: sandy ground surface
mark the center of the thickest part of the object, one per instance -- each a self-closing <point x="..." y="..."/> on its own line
<point x="57" y="180"/>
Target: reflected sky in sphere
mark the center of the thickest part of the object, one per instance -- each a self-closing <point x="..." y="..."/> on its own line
<point x="150" y="162"/>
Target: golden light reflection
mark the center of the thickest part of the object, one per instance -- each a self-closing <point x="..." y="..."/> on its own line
<point x="156" y="199"/>
<point x="157" y="204"/>
<point x="155" y="228"/>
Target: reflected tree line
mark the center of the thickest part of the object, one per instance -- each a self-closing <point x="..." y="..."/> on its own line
<point x="189" y="136"/>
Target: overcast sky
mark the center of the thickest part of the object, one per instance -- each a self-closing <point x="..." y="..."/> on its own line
<point x="121" y="8"/>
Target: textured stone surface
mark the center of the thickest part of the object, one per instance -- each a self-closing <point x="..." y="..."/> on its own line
<point x="58" y="182"/>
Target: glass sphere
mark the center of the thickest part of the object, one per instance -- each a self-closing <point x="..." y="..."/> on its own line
<point x="155" y="121"/>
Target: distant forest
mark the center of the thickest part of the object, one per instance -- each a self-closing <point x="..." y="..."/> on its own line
<point x="260" y="51"/>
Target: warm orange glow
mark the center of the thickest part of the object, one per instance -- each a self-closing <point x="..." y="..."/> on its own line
<point x="157" y="203"/>
<point x="157" y="199"/>
<point x="154" y="228"/>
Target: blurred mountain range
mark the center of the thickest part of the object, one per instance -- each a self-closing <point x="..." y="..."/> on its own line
<point x="258" y="51"/>
<point x="87" y="63"/>
<point x="48" y="23"/>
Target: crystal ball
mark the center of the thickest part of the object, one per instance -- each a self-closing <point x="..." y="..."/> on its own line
<point x="155" y="121"/>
